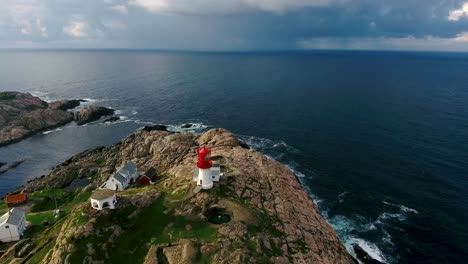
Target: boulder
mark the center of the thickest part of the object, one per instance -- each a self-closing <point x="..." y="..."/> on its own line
<point x="65" y="105"/>
<point x="155" y="128"/>
<point x="10" y="167"/>
<point x="111" y="119"/>
<point x="187" y="125"/>
<point x="91" y="113"/>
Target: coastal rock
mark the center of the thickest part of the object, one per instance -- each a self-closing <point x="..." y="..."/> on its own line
<point x="10" y="167"/>
<point x="111" y="119"/>
<point x="273" y="216"/>
<point x="188" y="125"/>
<point x="65" y="105"/>
<point x="91" y="113"/>
<point x="22" y="115"/>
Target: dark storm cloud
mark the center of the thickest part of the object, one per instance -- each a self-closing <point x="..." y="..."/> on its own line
<point x="235" y="24"/>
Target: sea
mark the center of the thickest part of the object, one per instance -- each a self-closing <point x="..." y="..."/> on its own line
<point x="378" y="139"/>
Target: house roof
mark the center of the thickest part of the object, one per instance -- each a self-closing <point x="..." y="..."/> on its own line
<point x="12" y="217"/>
<point x="150" y="172"/>
<point x="129" y="167"/>
<point x="102" y="194"/>
<point x="119" y="177"/>
<point x="15" y="198"/>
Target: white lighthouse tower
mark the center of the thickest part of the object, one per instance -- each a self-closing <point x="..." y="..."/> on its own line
<point x="204" y="164"/>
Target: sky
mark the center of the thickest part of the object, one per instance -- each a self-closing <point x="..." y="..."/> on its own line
<point x="236" y="25"/>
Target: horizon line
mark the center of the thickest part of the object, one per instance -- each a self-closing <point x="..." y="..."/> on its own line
<point x="234" y="51"/>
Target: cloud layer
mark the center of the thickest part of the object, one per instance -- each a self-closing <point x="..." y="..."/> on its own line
<point x="235" y="24"/>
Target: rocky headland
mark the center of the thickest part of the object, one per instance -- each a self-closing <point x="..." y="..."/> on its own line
<point x="273" y="220"/>
<point x="23" y="115"/>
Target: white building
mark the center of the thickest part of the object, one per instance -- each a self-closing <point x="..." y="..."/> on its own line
<point x="101" y="199"/>
<point x="127" y="175"/>
<point x="12" y="225"/>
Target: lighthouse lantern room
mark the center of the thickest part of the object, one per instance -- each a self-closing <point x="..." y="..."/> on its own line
<point x="204" y="164"/>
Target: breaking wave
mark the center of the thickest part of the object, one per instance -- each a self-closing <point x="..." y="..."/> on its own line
<point x="42" y="95"/>
<point x="52" y="131"/>
<point x="267" y="145"/>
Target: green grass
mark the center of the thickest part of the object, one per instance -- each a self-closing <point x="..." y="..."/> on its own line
<point x="40" y="218"/>
<point x="77" y="200"/>
<point x="100" y="162"/>
<point x="40" y="255"/>
<point x="3" y="207"/>
<point x="7" y="96"/>
<point x="45" y="200"/>
<point x="151" y="226"/>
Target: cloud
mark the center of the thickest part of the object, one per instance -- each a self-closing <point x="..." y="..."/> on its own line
<point x="120" y="9"/>
<point x="281" y="6"/>
<point x="76" y="29"/>
<point x="456" y="14"/>
<point x="217" y="7"/>
<point x="23" y="16"/>
<point x="427" y="43"/>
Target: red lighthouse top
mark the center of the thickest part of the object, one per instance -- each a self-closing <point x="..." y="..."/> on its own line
<point x="204" y="158"/>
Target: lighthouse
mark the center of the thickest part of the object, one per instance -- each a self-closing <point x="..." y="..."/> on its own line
<point x="204" y="164"/>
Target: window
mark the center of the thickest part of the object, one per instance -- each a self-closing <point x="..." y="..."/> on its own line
<point x="7" y="226"/>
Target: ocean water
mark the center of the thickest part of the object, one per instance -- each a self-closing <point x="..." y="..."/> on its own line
<point x="378" y="139"/>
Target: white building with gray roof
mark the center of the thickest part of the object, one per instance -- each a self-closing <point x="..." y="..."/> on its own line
<point x="125" y="176"/>
<point x="12" y="225"/>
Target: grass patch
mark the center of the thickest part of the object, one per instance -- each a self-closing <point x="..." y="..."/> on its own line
<point x="151" y="226"/>
<point x="100" y="162"/>
<point x="40" y="218"/>
<point x="40" y="255"/>
<point x="47" y="199"/>
<point x="5" y="96"/>
<point x="3" y="207"/>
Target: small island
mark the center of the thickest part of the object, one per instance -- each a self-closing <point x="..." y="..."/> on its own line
<point x="23" y="115"/>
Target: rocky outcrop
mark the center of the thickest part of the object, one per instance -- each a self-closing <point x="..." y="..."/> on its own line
<point x="91" y="113"/>
<point x="9" y="167"/>
<point x="65" y="105"/>
<point x="271" y="211"/>
<point x="22" y="115"/>
<point x="111" y="119"/>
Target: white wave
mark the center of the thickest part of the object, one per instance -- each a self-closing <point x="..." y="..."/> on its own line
<point x="369" y="247"/>
<point x="402" y="208"/>
<point x="52" y="131"/>
<point x="387" y="239"/>
<point x="42" y="95"/>
<point x="408" y="210"/>
<point x="146" y="123"/>
<point x="118" y="112"/>
<point x="262" y="144"/>
<point x="387" y="216"/>
<point x="89" y="100"/>
<point x="194" y="128"/>
<point x="347" y="228"/>
<point x="294" y="170"/>
<point x="342" y="196"/>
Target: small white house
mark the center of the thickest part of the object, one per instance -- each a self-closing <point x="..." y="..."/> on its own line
<point x="101" y="199"/>
<point x="12" y="225"/>
<point x="127" y="175"/>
